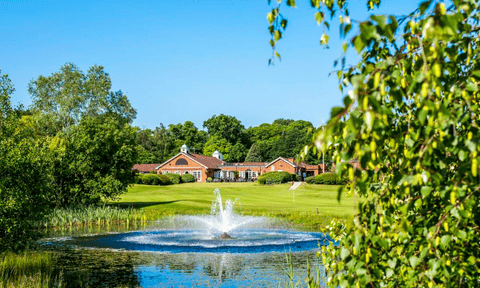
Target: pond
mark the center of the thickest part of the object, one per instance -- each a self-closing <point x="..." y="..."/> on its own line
<point x="218" y="250"/>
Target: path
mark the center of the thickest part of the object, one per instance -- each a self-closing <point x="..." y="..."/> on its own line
<point x="295" y="185"/>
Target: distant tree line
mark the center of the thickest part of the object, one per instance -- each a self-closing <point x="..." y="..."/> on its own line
<point x="227" y="134"/>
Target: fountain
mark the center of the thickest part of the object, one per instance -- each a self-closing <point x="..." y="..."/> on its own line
<point x="207" y="234"/>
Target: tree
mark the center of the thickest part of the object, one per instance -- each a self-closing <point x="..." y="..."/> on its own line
<point x="411" y="119"/>
<point x="217" y="143"/>
<point x="25" y="192"/>
<point x="63" y="98"/>
<point x="6" y="90"/>
<point x="93" y="161"/>
<point x="237" y="153"/>
<point x="227" y="127"/>
<point x="252" y="155"/>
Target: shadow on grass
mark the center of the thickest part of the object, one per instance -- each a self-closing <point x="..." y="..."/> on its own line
<point x="141" y="204"/>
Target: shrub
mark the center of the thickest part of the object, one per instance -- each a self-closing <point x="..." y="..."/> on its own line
<point x="138" y="179"/>
<point x="174" y="178"/>
<point x="188" y="178"/>
<point x="329" y="178"/>
<point x="311" y="180"/>
<point x="164" y="180"/>
<point x="209" y="179"/>
<point x="153" y="179"/>
<point x="277" y="177"/>
<point x="150" y="179"/>
<point x="153" y="172"/>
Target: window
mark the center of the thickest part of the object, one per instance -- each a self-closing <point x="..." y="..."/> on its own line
<point x="217" y="175"/>
<point x="242" y="174"/>
<point x="197" y="175"/>
<point x="273" y="168"/>
<point x="181" y="161"/>
<point x="164" y="172"/>
<point x="178" y="172"/>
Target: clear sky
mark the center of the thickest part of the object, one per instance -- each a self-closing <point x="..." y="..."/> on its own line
<point x="182" y="60"/>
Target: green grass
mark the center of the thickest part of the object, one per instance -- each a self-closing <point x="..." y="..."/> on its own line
<point x="259" y="200"/>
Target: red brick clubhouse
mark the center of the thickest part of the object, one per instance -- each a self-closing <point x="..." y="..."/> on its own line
<point x="203" y="167"/>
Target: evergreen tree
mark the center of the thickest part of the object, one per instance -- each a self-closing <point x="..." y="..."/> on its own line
<point x="252" y="155"/>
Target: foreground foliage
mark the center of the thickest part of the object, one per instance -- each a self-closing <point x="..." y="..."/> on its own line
<point x="28" y="269"/>
<point x="411" y="119"/>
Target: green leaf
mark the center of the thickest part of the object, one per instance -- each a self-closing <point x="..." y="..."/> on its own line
<point x="270" y="17"/>
<point x="422" y="116"/>
<point x="380" y="19"/>
<point x="461" y="234"/>
<point x="445" y="240"/>
<point x="277" y="35"/>
<point x="414" y="261"/>
<point x="358" y="44"/>
<point x="424" y="6"/>
<point x="425" y="190"/>
<point x="344" y="253"/>
<point x="278" y="55"/>
<point x="472" y="87"/>
<point x="392" y="263"/>
<point x="336" y="111"/>
<point x="319" y="17"/>
<point x="291" y="3"/>
<point x="324" y="39"/>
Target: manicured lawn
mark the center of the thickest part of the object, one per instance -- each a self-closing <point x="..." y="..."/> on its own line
<point x="254" y="199"/>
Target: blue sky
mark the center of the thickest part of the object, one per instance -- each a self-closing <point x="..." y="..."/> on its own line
<point x="185" y="59"/>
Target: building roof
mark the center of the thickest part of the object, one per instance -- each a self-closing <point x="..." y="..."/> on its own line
<point x="205" y="161"/>
<point x="286" y="160"/>
<point x="145" y="167"/>
<point x="208" y="161"/>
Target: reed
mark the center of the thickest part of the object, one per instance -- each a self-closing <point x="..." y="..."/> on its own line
<point x="92" y="216"/>
<point x="28" y="269"/>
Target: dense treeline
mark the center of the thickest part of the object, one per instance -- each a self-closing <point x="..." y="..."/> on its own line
<point x="264" y="143"/>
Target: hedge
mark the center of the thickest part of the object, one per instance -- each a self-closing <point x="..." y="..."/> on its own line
<point x="329" y="178"/>
<point x="175" y="178"/>
<point x="152" y="179"/>
<point x="277" y="177"/>
<point x="188" y="178"/>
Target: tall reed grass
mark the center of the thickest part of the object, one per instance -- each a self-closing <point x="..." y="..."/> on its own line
<point x="28" y="269"/>
<point x="92" y="216"/>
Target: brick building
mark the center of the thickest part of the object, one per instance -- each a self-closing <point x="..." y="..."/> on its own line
<point x="202" y="167"/>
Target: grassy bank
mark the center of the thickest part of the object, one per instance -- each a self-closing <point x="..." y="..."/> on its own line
<point x="28" y="269"/>
<point x="92" y="216"/>
<point x="259" y="200"/>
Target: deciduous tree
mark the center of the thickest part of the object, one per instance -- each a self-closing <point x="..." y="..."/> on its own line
<point x="410" y="117"/>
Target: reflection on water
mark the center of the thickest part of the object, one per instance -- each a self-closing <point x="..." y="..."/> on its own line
<point x="100" y="268"/>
